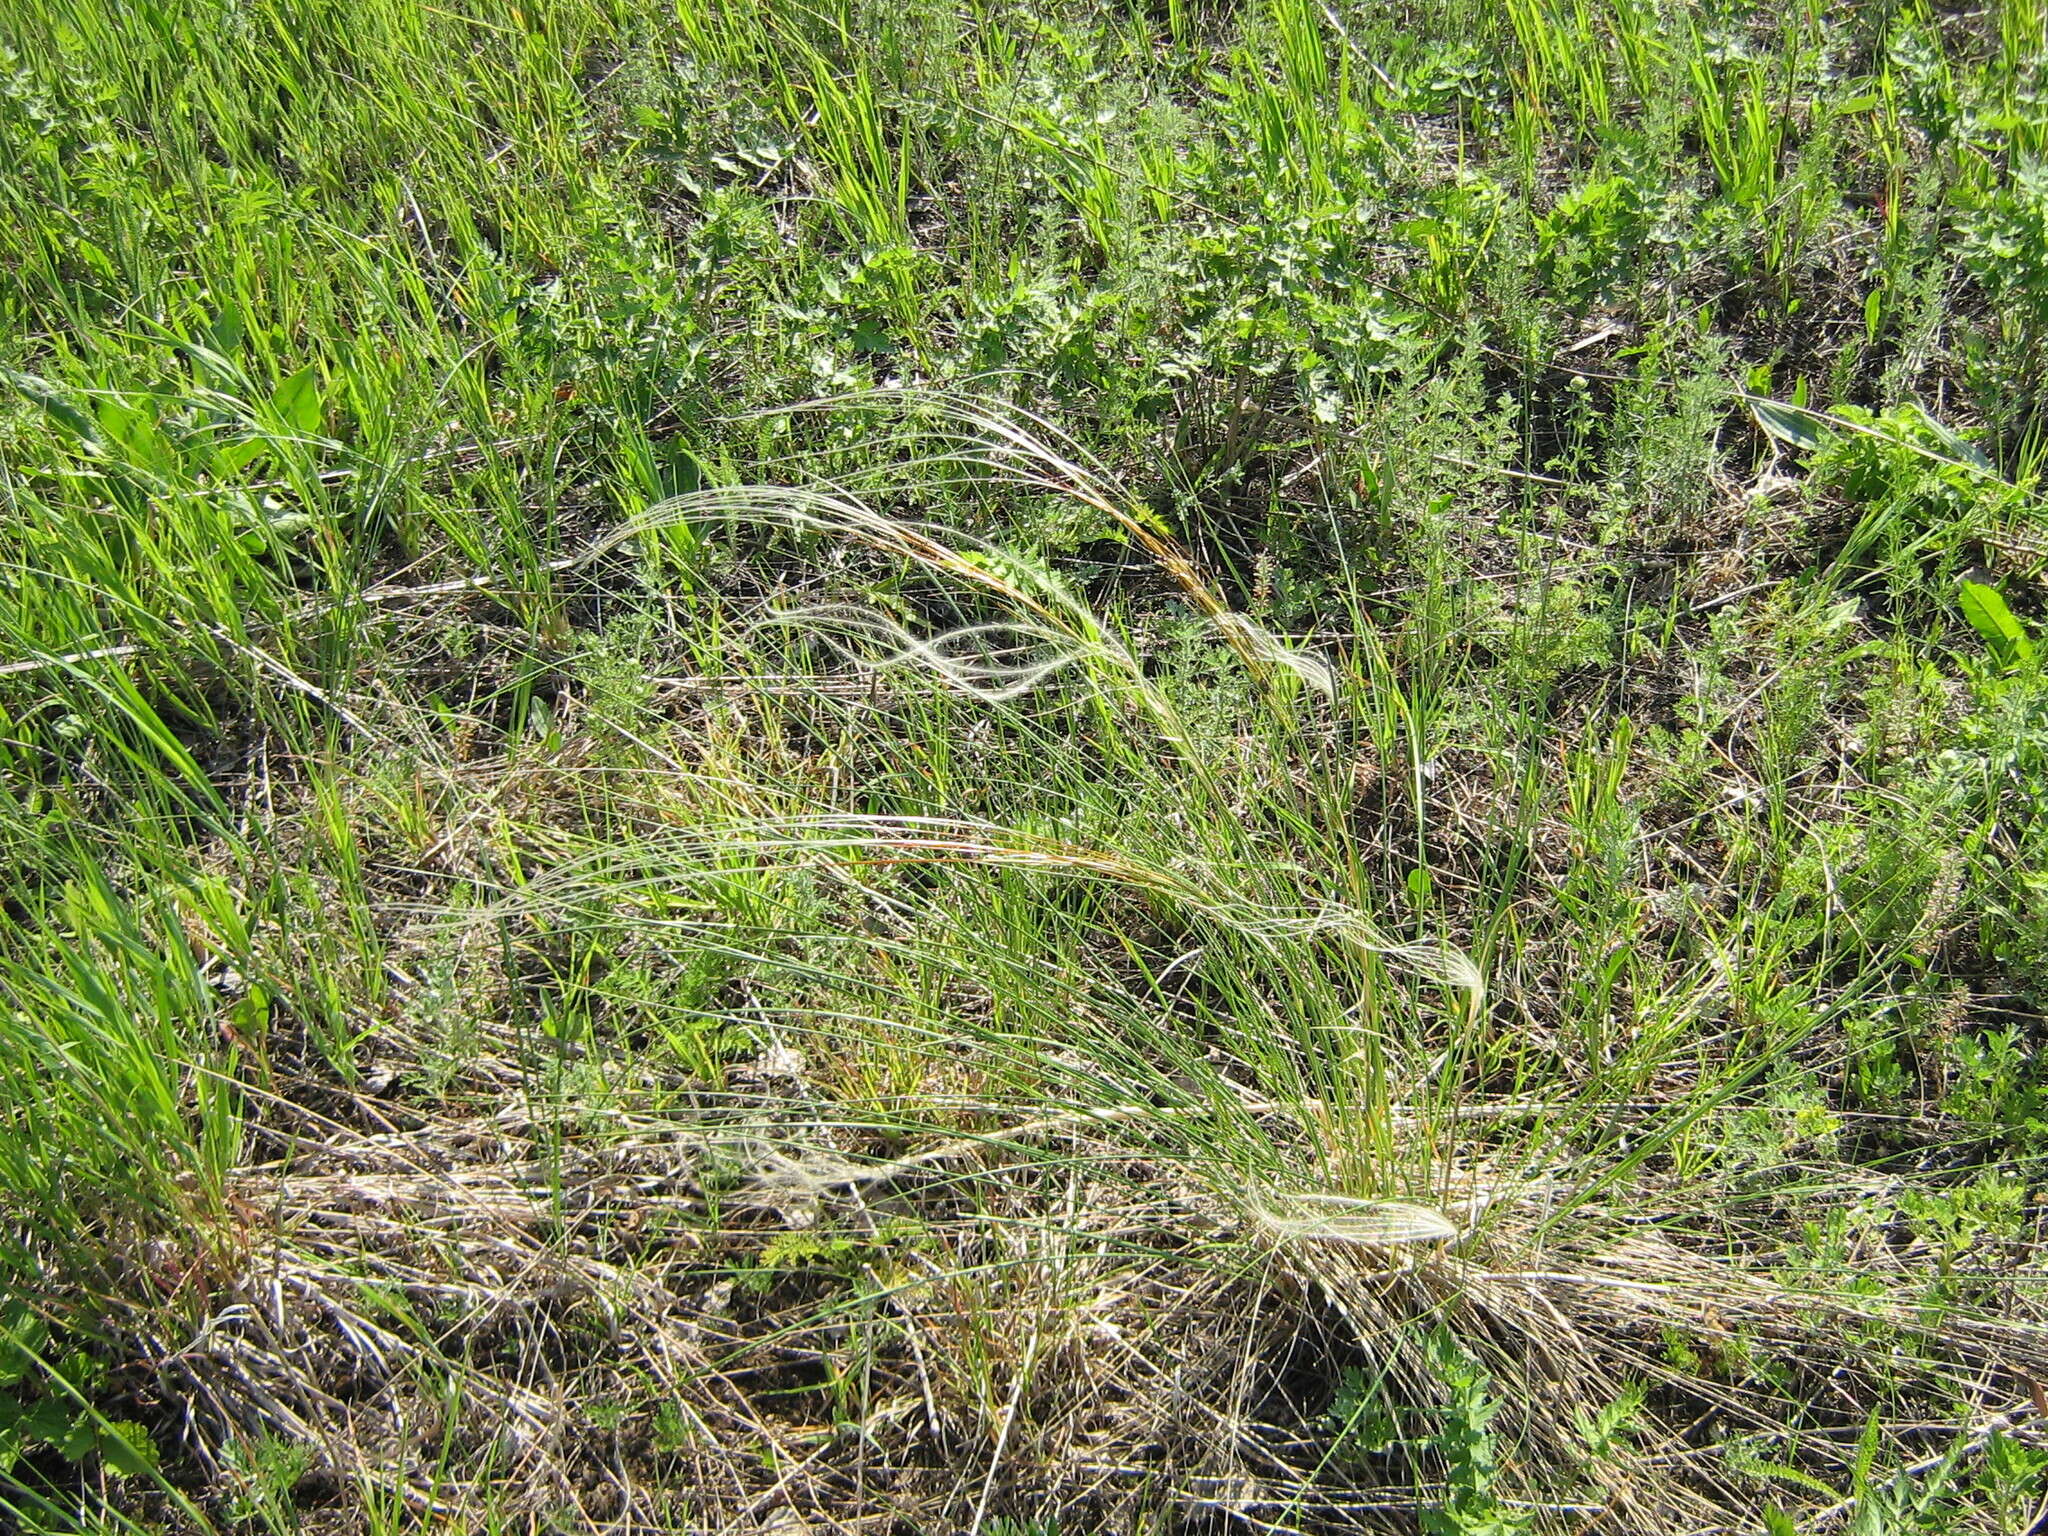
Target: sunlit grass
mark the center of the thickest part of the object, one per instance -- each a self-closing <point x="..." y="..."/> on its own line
<point x="1164" y="769"/>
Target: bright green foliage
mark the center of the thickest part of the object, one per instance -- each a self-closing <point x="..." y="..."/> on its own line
<point x="1465" y="1439"/>
<point x="62" y="1419"/>
<point x="1116" y="767"/>
<point x="2006" y="637"/>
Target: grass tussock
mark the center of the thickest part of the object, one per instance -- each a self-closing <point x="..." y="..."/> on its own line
<point x="1200" y="769"/>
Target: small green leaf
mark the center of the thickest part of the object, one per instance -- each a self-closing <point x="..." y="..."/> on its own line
<point x="22" y="1337"/>
<point x="1866" y="1456"/>
<point x="46" y="1422"/>
<point x="226" y="330"/>
<point x="297" y="401"/>
<point x="84" y="1373"/>
<point x="1787" y="1474"/>
<point x="2003" y="633"/>
<point x="79" y="1437"/>
<point x="250" y="1014"/>
<point x="1788" y="424"/>
<point x="126" y="1449"/>
<point x="233" y="458"/>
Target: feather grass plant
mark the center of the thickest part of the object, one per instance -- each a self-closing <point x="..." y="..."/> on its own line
<point x="1296" y="882"/>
